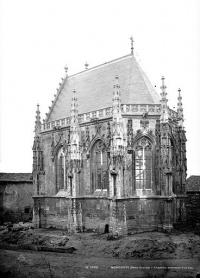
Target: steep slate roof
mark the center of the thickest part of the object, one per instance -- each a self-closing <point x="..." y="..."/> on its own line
<point x="16" y="177"/>
<point x="94" y="88"/>
<point x="193" y="183"/>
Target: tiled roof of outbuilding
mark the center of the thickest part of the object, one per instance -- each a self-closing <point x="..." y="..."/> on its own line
<point x="16" y="177"/>
<point x="193" y="183"/>
<point x="94" y="88"/>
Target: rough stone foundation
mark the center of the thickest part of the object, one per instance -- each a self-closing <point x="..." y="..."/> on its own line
<point x="97" y="214"/>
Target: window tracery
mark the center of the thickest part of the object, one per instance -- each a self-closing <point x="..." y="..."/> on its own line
<point x="143" y="164"/>
<point x="99" y="166"/>
<point x="61" y="169"/>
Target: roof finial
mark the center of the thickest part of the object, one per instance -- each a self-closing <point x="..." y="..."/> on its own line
<point x="132" y="48"/>
<point x="179" y="92"/>
<point x="66" y="69"/>
<point x="86" y="65"/>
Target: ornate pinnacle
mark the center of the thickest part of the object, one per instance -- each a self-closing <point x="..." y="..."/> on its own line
<point x="38" y="120"/>
<point x="164" y="107"/>
<point x="163" y="87"/>
<point x="74" y="130"/>
<point x="86" y="65"/>
<point x="132" y="48"/>
<point x="180" y="109"/>
<point x="116" y="99"/>
<point x="163" y="93"/>
<point x="117" y="146"/>
<point x="74" y="111"/>
<point x="179" y="94"/>
<point x="38" y="113"/>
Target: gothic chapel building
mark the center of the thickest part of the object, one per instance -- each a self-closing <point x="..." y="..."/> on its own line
<point x="111" y="154"/>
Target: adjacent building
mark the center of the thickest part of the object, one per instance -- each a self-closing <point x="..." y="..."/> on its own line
<point x="193" y="201"/>
<point x="16" y="192"/>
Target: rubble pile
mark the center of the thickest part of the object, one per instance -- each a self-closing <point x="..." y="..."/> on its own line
<point x="29" y="237"/>
<point x="22" y="236"/>
<point x="149" y="246"/>
<point x="145" y="249"/>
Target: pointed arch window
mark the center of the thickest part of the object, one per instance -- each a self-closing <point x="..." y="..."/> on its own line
<point x="60" y="171"/>
<point x="99" y="167"/>
<point x="143" y="164"/>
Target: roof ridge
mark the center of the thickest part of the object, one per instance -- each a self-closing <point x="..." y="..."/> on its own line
<point x="103" y="64"/>
<point x="97" y="84"/>
<point x="75" y="74"/>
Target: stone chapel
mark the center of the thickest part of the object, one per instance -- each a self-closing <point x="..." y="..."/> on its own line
<point x="110" y="155"/>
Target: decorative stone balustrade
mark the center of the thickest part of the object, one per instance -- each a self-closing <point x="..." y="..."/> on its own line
<point x="127" y="109"/>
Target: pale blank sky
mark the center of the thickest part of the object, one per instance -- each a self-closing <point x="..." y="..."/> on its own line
<point x="38" y="38"/>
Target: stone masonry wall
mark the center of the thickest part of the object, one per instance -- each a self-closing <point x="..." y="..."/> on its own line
<point x="95" y="214"/>
<point x="193" y="208"/>
<point x="16" y="201"/>
<point x="71" y="214"/>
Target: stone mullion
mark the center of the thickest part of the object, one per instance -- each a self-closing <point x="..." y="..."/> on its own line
<point x="184" y="166"/>
<point x="169" y="173"/>
<point x="133" y="174"/>
<point x="163" y="158"/>
<point x="153" y="171"/>
<point x="157" y="158"/>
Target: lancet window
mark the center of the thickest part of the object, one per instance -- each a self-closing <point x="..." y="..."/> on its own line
<point x="143" y="164"/>
<point x="99" y="166"/>
<point x="60" y="170"/>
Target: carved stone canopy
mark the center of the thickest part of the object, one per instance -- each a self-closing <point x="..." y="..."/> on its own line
<point x="100" y="147"/>
<point x="143" y="143"/>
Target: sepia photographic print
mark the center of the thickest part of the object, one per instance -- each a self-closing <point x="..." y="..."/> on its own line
<point x="99" y="136"/>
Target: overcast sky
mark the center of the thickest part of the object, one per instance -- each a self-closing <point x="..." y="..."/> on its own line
<point x="38" y="38"/>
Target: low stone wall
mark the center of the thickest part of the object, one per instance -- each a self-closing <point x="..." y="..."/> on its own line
<point x="71" y="214"/>
<point x="100" y="214"/>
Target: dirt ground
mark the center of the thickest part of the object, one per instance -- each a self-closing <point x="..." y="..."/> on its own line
<point x="151" y="254"/>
